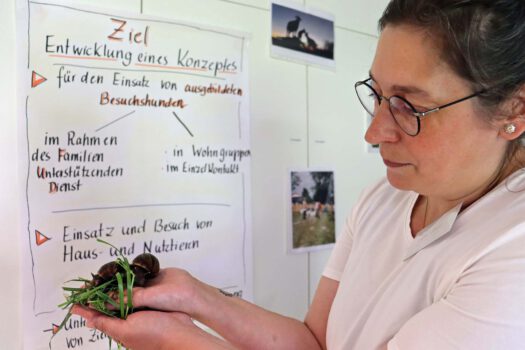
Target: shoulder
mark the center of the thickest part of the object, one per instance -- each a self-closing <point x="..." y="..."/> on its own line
<point x="492" y="230"/>
<point x="497" y="216"/>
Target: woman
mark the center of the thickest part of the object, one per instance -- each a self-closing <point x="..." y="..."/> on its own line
<point x="432" y="257"/>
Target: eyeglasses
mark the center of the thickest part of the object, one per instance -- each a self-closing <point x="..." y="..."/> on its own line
<point x="405" y="115"/>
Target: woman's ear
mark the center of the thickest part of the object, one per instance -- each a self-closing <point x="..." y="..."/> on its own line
<point x="513" y="126"/>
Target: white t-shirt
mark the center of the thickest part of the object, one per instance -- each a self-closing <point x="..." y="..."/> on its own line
<point x="460" y="284"/>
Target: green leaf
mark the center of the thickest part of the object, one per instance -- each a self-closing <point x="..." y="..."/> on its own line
<point x="68" y="316"/>
<point x="120" y="294"/>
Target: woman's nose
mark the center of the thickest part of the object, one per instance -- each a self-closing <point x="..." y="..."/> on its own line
<point x="383" y="127"/>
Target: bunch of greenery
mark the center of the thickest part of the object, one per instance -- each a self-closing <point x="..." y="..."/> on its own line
<point x="101" y="296"/>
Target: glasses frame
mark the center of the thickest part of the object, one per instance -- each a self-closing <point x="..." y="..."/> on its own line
<point x="417" y="115"/>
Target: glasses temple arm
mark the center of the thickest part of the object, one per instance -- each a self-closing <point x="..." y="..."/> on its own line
<point x="422" y="114"/>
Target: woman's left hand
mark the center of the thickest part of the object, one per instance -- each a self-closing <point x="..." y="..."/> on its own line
<point x="144" y="330"/>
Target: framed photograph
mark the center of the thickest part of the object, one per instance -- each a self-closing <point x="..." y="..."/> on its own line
<point x="302" y="34"/>
<point x="311" y="210"/>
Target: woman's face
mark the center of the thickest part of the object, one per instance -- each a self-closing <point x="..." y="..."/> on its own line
<point x="456" y="152"/>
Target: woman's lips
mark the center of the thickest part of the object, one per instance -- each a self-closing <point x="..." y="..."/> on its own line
<point x="391" y="164"/>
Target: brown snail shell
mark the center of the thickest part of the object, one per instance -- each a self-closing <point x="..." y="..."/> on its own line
<point x="145" y="266"/>
<point x="105" y="273"/>
<point x="148" y="262"/>
<point x="141" y="276"/>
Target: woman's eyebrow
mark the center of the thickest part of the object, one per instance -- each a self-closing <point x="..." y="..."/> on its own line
<point x="406" y="89"/>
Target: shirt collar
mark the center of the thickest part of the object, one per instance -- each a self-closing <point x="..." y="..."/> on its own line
<point x="434" y="231"/>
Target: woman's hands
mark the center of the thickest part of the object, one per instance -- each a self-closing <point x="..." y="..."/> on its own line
<point x="169" y="300"/>
<point x="145" y="330"/>
<point x="172" y="290"/>
<point x="173" y="298"/>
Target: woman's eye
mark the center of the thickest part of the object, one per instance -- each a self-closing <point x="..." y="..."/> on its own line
<point x="401" y="109"/>
<point x="420" y="109"/>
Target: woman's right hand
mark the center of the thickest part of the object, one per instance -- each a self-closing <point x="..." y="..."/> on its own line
<point x="172" y="290"/>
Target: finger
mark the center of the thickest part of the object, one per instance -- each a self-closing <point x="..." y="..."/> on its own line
<point x="114" y="295"/>
<point x="86" y="313"/>
<point x="111" y="326"/>
<point x="183" y="318"/>
<point x="114" y="327"/>
<point x="157" y="279"/>
<point x="152" y="298"/>
<point x="140" y="297"/>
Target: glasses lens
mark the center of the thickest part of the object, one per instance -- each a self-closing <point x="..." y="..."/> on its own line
<point x="368" y="98"/>
<point x="403" y="114"/>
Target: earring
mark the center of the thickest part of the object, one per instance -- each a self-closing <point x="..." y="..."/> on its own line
<point x="510" y="128"/>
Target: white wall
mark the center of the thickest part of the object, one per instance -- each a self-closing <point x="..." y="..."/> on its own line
<point x="289" y="101"/>
<point x="10" y="322"/>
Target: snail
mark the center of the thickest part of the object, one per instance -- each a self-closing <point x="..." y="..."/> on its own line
<point x="145" y="266"/>
<point x="105" y="273"/>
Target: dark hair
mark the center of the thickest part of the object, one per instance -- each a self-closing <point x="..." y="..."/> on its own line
<point x="483" y="41"/>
